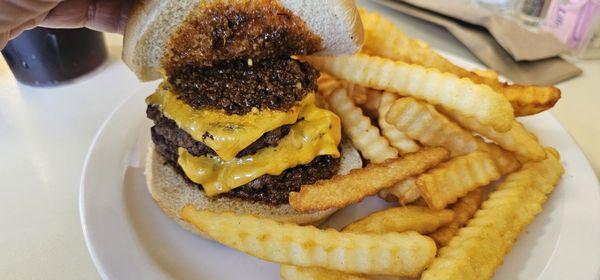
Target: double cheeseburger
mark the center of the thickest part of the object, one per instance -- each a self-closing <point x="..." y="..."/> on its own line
<point x="237" y="125"/>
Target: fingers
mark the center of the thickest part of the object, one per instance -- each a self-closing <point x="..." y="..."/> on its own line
<point x="102" y="15"/>
<point x="18" y="13"/>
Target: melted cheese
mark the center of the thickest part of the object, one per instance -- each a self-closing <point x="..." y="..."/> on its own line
<point x="318" y="132"/>
<point x="226" y="134"/>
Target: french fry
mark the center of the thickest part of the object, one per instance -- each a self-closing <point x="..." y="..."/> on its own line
<point x="364" y="136"/>
<point x="343" y="190"/>
<point x="480" y="247"/>
<point x="444" y="89"/>
<point x="290" y="272"/>
<point x="357" y="93"/>
<point x="517" y="139"/>
<point x="405" y="192"/>
<point x="371" y="107"/>
<point x="464" y="209"/>
<point x="383" y="38"/>
<point x="420" y="121"/>
<point x="397" y="138"/>
<point x="451" y="180"/>
<point x="486" y="73"/>
<point x="399" y="219"/>
<point x="402" y="254"/>
<point x="527" y="100"/>
<point x="327" y="84"/>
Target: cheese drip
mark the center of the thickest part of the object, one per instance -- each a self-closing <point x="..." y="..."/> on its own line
<point x="226" y="134"/>
<point x="318" y="132"/>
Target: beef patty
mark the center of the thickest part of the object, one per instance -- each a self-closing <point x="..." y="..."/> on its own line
<point x="269" y="189"/>
<point x="237" y="86"/>
<point x="168" y="129"/>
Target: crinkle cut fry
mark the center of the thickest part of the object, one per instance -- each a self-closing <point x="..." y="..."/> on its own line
<point x="364" y="136"/>
<point x="420" y="121"/>
<point x="343" y="190"/>
<point x="464" y="209"/>
<point x="517" y="139"/>
<point x="480" y="247"/>
<point x="290" y="272"/>
<point x="405" y="192"/>
<point x="451" y="180"/>
<point x="385" y="254"/>
<point x="397" y="219"/>
<point x="383" y="38"/>
<point x="444" y="89"/>
<point x="397" y="138"/>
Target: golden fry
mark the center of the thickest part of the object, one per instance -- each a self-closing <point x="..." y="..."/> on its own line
<point x="327" y="84"/>
<point x="290" y="272"/>
<point x="437" y="88"/>
<point x="364" y="136"/>
<point x="464" y="209"/>
<point x="453" y="179"/>
<point x="397" y="138"/>
<point x="343" y="190"/>
<point x="420" y="121"/>
<point x="527" y="100"/>
<point x="517" y="139"/>
<point x="357" y="93"/>
<point x="404" y="192"/>
<point x="403" y="254"/>
<point x="371" y="107"/>
<point x="383" y="38"/>
<point x="399" y="219"/>
<point x="480" y="247"/>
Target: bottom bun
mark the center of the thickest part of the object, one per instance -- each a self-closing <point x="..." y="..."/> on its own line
<point x="172" y="192"/>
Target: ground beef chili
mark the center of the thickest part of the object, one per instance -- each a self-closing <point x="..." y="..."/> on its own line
<point x="237" y="87"/>
<point x="256" y="29"/>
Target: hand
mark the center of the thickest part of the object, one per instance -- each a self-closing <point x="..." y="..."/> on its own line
<point x="102" y="15"/>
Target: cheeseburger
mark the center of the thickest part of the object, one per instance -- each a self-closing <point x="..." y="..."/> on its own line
<point x="237" y="123"/>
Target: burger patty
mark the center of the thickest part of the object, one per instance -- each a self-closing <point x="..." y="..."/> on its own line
<point x="268" y="189"/>
<point x="169" y="130"/>
<point x="238" y="86"/>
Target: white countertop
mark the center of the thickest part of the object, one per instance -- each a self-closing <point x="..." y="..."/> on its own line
<point x="46" y="132"/>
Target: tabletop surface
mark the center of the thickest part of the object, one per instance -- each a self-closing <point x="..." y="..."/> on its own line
<point x="45" y="134"/>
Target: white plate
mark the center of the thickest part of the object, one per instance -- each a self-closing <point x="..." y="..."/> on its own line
<point x="130" y="238"/>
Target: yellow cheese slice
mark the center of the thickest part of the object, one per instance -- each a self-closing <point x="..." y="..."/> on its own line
<point x="317" y="132"/>
<point x="226" y="134"/>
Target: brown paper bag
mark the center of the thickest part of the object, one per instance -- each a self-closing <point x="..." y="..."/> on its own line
<point x="545" y="68"/>
<point x="520" y="43"/>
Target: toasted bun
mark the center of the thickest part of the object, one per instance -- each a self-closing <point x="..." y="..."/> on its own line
<point x="172" y="192"/>
<point x="153" y="23"/>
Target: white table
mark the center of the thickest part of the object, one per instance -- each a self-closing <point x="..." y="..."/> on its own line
<point x="45" y="134"/>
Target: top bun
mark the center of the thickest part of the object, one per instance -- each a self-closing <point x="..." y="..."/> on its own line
<point x="162" y="35"/>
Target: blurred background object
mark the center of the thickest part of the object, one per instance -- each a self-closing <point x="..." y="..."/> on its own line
<point x="531" y="13"/>
<point x="496" y="5"/>
<point x="49" y="57"/>
<point x="577" y="24"/>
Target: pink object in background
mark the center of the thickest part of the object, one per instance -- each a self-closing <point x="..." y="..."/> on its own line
<point x="574" y="22"/>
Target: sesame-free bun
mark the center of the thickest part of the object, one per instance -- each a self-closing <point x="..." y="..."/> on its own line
<point x="172" y="192"/>
<point x="153" y="24"/>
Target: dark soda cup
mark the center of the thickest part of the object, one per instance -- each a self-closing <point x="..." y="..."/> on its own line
<point x="47" y="57"/>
